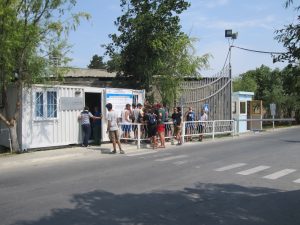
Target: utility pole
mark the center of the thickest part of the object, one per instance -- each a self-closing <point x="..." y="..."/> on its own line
<point x="230" y="37"/>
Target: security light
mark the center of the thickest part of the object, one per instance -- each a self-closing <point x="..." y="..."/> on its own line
<point x="228" y="33"/>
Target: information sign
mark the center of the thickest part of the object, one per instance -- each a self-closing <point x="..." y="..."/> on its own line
<point x="119" y="98"/>
<point x="273" y="109"/>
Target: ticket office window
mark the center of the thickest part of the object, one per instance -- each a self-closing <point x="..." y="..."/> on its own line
<point x="243" y="107"/>
<point x="45" y="105"/>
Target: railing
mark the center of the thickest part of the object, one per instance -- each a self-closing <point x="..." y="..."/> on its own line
<point x="273" y="120"/>
<point x="189" y="130"/>
<point x="209" y="128"/>
<point x="137" y="132"/>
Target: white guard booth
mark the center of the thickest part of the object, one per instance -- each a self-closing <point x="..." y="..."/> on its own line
<point x="49" y="114"/>
<point x="240" y="109"/>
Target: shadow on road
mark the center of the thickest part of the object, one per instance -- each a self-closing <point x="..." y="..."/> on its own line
<point x="209" y="204"/>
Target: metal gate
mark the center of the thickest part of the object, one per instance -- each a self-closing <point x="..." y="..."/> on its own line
<point x="214" y="93"/>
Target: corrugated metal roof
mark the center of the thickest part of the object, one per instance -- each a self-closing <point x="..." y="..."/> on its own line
<point x="82" y="72"/>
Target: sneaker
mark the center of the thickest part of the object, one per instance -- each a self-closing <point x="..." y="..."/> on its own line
<point x="113" y="152"/>
<point x="122" y="152"/>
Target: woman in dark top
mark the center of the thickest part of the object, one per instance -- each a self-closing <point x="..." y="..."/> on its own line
<point x="176" y="117"/>
<point x="151" y="119"/>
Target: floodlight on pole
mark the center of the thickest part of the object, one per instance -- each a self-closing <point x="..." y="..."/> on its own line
<point x="231" y="37"/>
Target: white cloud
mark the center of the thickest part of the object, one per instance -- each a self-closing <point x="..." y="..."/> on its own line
<point x="210" y="4"/>
<point x="266" y="22"/>
<point x="216" y="3"/>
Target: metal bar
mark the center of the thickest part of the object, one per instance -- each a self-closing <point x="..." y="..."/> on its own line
<point x="283" y="119"/>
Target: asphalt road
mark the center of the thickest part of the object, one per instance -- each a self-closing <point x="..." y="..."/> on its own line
<point x="252" y="179"/>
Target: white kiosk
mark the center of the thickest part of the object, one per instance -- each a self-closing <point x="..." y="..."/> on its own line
<point x="49" y="113"/>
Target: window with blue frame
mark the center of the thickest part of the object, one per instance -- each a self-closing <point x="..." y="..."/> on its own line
<point x="46" y="105"/>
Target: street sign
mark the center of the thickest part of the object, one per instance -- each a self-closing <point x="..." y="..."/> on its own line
<point x="273" y="109"/>
<point x="205" y="107"/>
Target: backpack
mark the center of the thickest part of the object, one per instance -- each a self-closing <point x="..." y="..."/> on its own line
<point x="152" y="119"/>
<point x="140" y="118"/>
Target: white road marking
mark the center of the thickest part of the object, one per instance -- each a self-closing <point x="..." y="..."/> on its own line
<point x="171" y="158"/>
<point x="279" y="174"/>
<point x="178" y="163"/>
<point x="229" y="167"/>
<point x="297" y="181"/>
<point x="253" y="170"/>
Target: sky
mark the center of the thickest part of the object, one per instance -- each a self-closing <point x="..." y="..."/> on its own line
<point x="255" y="21"/>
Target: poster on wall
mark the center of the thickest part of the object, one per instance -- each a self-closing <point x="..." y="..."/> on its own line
<point x="119" y="98"/>
<point x="256" y="106"/>
<point x="138" y="96"/>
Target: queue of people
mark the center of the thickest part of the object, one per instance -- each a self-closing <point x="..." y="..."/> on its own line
<point x="154" y="120"/>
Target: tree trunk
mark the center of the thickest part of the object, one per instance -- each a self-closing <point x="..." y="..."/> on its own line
<point x="11" y="120"/>
<point x="14" y="138"/>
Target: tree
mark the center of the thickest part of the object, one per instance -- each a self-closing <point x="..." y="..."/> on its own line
<point x="32" y="44"/>
<point x="97" y="63"/>
<point x="178" y="62"/>
<point x="273" y="86"/>
<point x="289" y="36"/>
<point x="291" y="87"/>
<point x="113" y="64"/>
<point x="245" y="82"/>
<point x="149" y="34"/>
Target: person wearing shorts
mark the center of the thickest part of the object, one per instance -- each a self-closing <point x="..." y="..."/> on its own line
<point x="113" y="128"/>
<point x="190" y="125"/>
<point x="151" y="127"/>
<point x="176" y="117"/>
<point x="161" y="115"/>
<point x="126" y="122"/>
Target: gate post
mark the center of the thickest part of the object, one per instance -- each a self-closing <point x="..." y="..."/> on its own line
<point x="139" y="136"/>
<point x="183" y="133"/>
<point x="213" y="133"/>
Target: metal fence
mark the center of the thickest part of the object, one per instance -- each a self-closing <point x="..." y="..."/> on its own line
<point x="273" y="120"/>
<point x="137" y="132"/>
<point x="214" y="92"/>
<point x="189" y="130"/>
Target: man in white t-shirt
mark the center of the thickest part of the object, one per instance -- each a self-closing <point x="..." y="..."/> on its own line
<point x="138" y="114"/>
<point x="113" y="128"/>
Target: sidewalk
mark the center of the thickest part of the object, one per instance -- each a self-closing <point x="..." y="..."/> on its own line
<point x="71" y="153"/>
<point x="77" y="152"/>
<point x="103" y="151"/>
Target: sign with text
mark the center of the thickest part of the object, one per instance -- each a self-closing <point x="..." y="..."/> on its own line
<point x="273" y="109"/>
<point x="71" y="103"/>
<point x="119" y="98"/>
